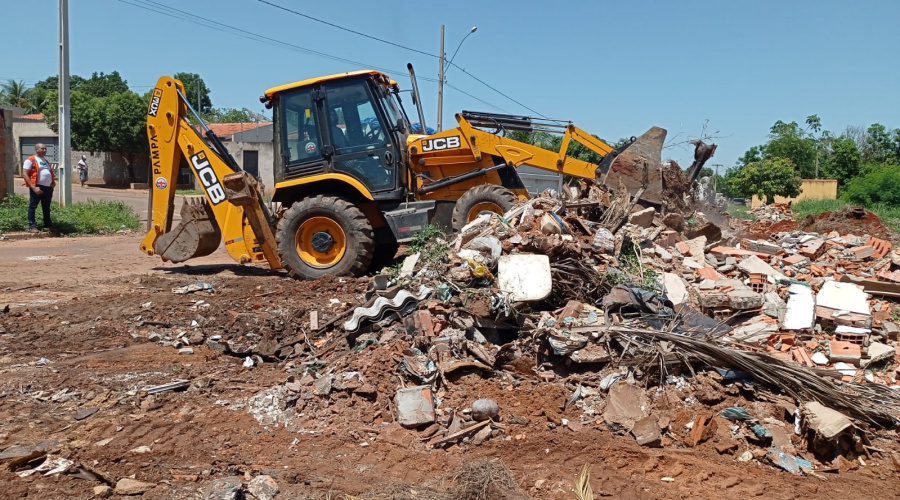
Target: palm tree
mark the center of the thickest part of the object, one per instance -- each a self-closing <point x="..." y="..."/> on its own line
<point x="14" y="94"/>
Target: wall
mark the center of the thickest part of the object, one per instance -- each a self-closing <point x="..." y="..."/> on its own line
<point x="7" y="153"/>
<point x="266" y="160"/>
<point x="810" y="189"/>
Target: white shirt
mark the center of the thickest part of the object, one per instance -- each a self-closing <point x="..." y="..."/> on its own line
<point x="82" y="165"/>
<point x="45" y="175"/>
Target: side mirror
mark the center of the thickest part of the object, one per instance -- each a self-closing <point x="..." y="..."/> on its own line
<point x="401" y="126"/>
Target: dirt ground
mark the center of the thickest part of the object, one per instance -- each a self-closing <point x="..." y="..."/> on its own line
<point x="79" y="334"/>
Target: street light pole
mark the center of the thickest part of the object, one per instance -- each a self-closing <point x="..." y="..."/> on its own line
<point x="440" y="110"/>
<point x="442" y="71"/>
<point x="65" y="126"/>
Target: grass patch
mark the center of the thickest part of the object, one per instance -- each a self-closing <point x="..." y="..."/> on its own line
<point x="740" y="212"/>
<point x="889" y="214"/>
<point x="188" y="192"/>
<point x="804" y="208"/>
<point x="90" y="217"/>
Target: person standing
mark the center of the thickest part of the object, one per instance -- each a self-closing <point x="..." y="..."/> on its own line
<point x="38" y="176"/>
<point x="82" y="170"/>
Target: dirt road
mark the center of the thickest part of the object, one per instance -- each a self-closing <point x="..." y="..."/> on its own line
<point x="92" y="322"/>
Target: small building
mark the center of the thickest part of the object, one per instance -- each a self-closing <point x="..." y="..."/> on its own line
<point x="810" y="189"/>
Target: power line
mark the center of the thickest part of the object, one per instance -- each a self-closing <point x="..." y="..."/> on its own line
<point x="402" y="47"/>
<point x="348" y="29"/>
<point x="495" y="90"/>
<point x="166" y="10"/>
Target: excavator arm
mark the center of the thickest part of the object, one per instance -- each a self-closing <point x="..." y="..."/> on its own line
<point x="231" y="208"/>
<point x="468" y="144"/>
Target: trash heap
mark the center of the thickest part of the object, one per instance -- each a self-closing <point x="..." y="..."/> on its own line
<point x="663" y="326"/>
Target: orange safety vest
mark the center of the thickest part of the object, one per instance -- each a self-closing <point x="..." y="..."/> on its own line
<point x="35" y="166"/>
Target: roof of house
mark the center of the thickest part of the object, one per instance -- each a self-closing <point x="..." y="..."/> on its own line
<point x="226" y="129"/>
<point x="36" y="117"/>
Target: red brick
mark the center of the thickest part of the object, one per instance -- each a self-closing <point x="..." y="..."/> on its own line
<point x="795" y="259"/>
<point x="882" y="247"/>
<point x="863" y="252"/>
<point x="420" y="323"/>
<point x="683" y="247"/>
<point x="708" y="273"/>
<point x="844" y="351"/>
<point x="813" y="249"/>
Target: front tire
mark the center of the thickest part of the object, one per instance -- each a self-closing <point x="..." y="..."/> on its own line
<point x="483" y="198"/>
<point x="325" y="235"/>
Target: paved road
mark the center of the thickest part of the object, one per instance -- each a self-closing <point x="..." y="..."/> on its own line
<point x="135" y="198"/>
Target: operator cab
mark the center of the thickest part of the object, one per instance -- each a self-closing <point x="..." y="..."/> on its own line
<point x="351" y="123"/>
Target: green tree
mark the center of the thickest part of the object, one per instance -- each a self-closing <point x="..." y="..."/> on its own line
<point x="768" y="178"/>
<point x="230" y="115"/>
<point x="706" y="172"/>
<point x="880" y="185"/>
<point x="844" y="160"/>
<point x="191" y="82"/>
<point x="752" y="155"/>
<point x="100" y="84"/>
<point x="789" y="141"/>
<point x="14" y="93"/>
<point x="880" y="145"/>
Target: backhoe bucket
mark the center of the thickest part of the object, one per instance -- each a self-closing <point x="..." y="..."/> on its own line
<point x="627" y="168"/>
<point x="196" y="235"/>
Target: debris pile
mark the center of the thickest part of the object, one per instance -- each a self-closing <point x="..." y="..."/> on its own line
<point x="652" y="323"/>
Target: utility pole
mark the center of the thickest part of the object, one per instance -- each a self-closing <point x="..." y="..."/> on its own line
<point x="716" y="178"/>
<point x="440" y="86"/>
<point x="65" y="125"/>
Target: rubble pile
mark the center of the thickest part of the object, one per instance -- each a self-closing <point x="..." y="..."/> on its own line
<point x="660" y="326"/>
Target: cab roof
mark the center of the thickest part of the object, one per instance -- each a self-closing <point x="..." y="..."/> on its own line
<point x="311" y="81"/>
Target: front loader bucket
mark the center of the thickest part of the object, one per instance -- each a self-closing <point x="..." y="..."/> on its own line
<point x="196" y="235"/>
<point x="627" y="168"/>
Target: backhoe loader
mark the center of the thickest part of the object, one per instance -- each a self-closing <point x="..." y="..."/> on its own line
<point x="351" y="178"/>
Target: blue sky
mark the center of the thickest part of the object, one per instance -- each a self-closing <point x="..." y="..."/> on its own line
<point x="613" y="68"/>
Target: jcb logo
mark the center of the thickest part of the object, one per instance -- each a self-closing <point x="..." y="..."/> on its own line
<point x="440" y="143"/>
<point x="207" y="176"/>
<point x="154" y="102"/>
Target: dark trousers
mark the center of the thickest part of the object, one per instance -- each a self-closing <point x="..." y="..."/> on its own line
<point x="44" y="199"/>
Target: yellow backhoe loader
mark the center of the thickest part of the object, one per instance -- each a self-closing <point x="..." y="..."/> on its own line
<point x="351" y="177"/>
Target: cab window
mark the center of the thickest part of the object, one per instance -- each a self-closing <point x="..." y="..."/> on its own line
<point x="301" y="132"/>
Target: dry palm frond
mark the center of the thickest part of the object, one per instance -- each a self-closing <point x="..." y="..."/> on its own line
<point x="583" y="489"/>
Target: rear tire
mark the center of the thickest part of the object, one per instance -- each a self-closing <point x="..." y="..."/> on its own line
<point x="486" y="197"/>
<point x="322" y="236"/>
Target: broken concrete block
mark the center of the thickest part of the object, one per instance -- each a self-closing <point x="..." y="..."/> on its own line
<point x="643" y="218"/>
<point x="845" y="352"/>
<point x="691" y="263"/>
<point x="625" y="405"/>
<point x="754" y="265"/>
<point x="744" y="299"/>
<point x="664" y="254"/>
<point x="697" y="246"/>
<point x="591" y="353"/>
<point x="862" y="253"/>
<point x="674" y="220"/>
<point x="843" y="297"/>
<point x="760" y="246"/>
<point x="414" y="406"/>
<point x="796" y="260"/>
<point x="525" y="277"/>
<point x="774" y="307"/>
<point x="675" y="287"/>
<point x="646" y="432"/>
<point x="878" y="352"/>
<point x="127" y="486"/>
<point x="819" y="358"/>
<point x="801" y="308"/>
<point x="824" y="421"/>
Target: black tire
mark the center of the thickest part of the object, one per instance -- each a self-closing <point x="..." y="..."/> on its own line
<point x="357" y="235"/>
<point x="485" y="194"/>
<point x="386" y="247"/>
